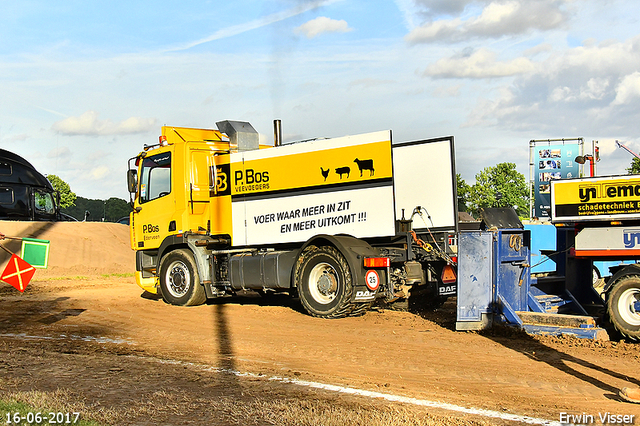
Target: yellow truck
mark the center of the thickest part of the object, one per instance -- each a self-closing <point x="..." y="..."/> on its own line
<point x="336" y="222"/>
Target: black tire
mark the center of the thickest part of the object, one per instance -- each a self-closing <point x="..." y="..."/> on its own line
<point x="323" y="280"/>
<point x="179" y="279"/>
<point x="361" y="309"/>
<point x="623" y="306"/>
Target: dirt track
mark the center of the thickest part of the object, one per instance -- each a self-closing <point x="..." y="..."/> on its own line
<point x="73" y="332"/>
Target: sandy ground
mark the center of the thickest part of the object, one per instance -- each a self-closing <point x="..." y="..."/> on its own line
<point x="82" y="328"/>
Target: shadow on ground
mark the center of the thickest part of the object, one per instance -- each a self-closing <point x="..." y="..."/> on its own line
<point x="519" y="341"/>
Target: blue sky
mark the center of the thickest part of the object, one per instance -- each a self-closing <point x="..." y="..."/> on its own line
<point x="84" y="84"/>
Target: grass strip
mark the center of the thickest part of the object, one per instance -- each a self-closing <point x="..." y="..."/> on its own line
<point x="42" y="408"/>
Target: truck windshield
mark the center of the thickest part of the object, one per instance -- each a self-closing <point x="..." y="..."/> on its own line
<point x="155" y="177"/>
<point x="44" y="203"/>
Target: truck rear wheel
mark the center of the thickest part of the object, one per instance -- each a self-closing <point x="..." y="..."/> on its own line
<point x="179" y="279"/>
<point x="623" y="306"/>
<point x="361" y="309"/>
<point x="323" y="279"/>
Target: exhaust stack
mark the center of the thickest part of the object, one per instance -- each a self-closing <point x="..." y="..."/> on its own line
<point x="277" y="132"/>
<point x="240" y="133"/>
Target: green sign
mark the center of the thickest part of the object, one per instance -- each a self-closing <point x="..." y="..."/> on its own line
<point x="35" y="252"/>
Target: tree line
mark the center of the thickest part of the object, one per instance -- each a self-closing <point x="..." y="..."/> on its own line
<point x="498" y="186"/>
<point x="110" y="210"/>
<point x="81" y="208"/>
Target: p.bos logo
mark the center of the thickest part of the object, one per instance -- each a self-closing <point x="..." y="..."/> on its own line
<point x="146" y="229"/>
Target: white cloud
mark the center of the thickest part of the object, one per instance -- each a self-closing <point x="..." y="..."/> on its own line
<point x="322" y="25"/>
<point x="538" y="49"/>
<point x="608" y="146"/>
<point x="447" y="7"/>
<point x="593" y="89"/>
<point x="496" y="19"/>
<point x="134" y="125"/>
<point x="411" y="11"/>
<point x="560" y="94"/>
<point x="99" y="173"/>
<point x="17" y="138"/>
<point x="480" y="64"/>
<point x="89" y="124"/>
<point x="62" y="152"/>
<point x="437" y="31"/>
<point x="588" y="89"/>
<point x="628" y="89"/>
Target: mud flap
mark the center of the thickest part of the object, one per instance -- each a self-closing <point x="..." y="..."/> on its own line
<point x="363" y="294"/>
<point x="376" y="280"/>
<point x="447" y="289"/>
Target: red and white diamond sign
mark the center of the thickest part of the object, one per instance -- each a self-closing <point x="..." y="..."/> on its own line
<point x="18" y="273"/>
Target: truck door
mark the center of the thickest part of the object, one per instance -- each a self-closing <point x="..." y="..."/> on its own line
<point x="220" y="195"/>
<point x="200" y="184"/>
<point x="154" y="221"/>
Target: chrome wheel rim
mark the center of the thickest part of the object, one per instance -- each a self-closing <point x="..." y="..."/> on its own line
<point x="178" y="279"/>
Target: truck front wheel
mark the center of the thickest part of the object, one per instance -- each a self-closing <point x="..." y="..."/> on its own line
<point x="323" y="279"/>
<point x="179" y="279"/>
<point x="623" y="306"/>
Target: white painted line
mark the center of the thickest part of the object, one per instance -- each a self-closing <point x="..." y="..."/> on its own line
<point x="25" y="336"/>
<point x="421" y="402"/>
<point x="332" y="388"/>
<point x="378" y="395"/>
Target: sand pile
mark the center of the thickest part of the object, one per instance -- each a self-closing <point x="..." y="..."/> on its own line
<point x="77" y="248"/>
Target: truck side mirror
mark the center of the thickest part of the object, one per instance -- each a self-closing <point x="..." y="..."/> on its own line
<point x="132" y="180"/>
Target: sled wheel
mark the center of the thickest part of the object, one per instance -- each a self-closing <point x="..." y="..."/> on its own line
<point x="323" y="279"/>
<point x="623" y="306"/>
<point x="595" y="272"/>
<point x="179" y="279"/>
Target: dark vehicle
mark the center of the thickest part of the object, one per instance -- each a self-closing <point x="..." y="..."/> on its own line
<point x="123" y="220"/>
<point x="67" y="218"/>
<point x="25" y="194"/>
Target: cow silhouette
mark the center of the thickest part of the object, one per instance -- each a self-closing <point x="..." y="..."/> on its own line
<point x="343" y="170"/>
<point x="325" y="173"/>
<point x="365" y="165"/>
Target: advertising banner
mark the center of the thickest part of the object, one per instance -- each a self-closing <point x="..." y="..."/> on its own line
<point x="332" y="186"/>
<point x="362" y="212"/>
<point x="551" y="161"/>
<point x="611" y="197"/>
